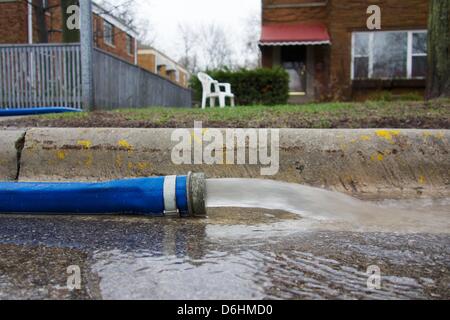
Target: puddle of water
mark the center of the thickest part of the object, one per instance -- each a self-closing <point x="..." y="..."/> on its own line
<point x="234" y="254"/>
<point x="329" y="210"/>
<point x="308" y="266"/>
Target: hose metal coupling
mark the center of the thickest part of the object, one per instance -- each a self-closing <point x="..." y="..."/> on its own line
<point x="196" y="194"/>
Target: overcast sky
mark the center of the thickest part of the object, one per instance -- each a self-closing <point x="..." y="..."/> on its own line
<point x="166" y="15"/>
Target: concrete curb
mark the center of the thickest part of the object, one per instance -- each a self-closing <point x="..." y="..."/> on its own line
<point x="364" y="163"/>
<point x="10" y="146"/>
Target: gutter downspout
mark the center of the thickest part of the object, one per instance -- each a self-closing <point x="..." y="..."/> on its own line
<point x="30" y="23"/>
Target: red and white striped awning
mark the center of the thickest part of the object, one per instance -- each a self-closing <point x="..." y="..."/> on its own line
<point x="294" y="34"/>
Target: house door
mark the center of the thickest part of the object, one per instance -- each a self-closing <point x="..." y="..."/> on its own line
<point x="293" y="60"/>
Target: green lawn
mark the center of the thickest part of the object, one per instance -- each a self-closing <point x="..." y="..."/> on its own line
<point x="372" y="114"/>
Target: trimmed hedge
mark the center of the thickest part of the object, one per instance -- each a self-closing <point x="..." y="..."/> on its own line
<point x="251" y="87"/>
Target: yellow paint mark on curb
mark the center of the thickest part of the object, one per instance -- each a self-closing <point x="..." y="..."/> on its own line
<point x="86" y="144"/>
<point x="387" y="134"/>
<point x="125" y="144"/>
<point x="61" y="155"/>
<point x="439" y="135"/>
<point x="377" y="157"/>
<point x="422" y="180"/>
<point x="89" y="160"/>
<point x="142" y="166"/>
<point x="365" y="138"/>
<point x="119" y="161"/>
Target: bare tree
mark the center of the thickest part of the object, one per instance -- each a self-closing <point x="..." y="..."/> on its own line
<point x="215" y="47"/>
<point x="122" y="9"/>
<point x="126" y="11"/>
<point x="250" y="50"/>
<point x="190" y="63"/>
<point x="146" y="32"/>
<point x="188" y="43"/>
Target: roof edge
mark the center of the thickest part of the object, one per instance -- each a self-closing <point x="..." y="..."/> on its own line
<point x="98" y="10"/>
<point x="294" y="43"/>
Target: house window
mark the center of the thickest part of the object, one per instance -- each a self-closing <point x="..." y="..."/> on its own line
<point x="389" y="55"/>
<point x="129" y="45"/>
<point x="108" y="33"/>
<point x="419" y="57"/>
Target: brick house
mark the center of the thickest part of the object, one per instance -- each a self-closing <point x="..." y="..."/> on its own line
<point x="329" y="52"/>
<point x="157" y="62"/>
<point x="111" y="34"/>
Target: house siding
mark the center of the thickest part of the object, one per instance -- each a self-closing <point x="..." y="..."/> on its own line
<point x="332" y="64"/>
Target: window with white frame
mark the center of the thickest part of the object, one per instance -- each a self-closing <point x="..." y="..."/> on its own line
<point x="108" y="33"/>
<point x="389" y="55"/>
<point x="129" y="44"/>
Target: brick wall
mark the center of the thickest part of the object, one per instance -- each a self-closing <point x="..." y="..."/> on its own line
<point x="147" y="61"/>
<point x="54" y="21"/>
<point x="162" y="70"/>
<point x="267" y="57"/>
<point x="342" y="17"/>
<point x="346" y="16"/>
<point x="321" y="72"/>
<point x="292" y="15"/>
<point x="182" y="80"/>
<point x="14" y="28"/>
<point x="13" y="22"/>
<point x="119" y="48"/>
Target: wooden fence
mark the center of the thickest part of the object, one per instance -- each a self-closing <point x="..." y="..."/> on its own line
<point x="119" y="84"/>
<point x="47" y="75"/>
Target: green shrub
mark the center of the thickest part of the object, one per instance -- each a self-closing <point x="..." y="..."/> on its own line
<point x="251" y="87"/>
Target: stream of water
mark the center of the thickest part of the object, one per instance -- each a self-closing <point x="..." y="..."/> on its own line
<point x="327" y="209"/>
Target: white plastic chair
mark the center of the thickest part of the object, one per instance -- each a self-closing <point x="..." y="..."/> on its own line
<point x="207" y="84"/>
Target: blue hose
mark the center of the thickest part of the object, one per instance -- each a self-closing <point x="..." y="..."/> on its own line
<point x="35" y="111"/>
<point x="143" y="196"/>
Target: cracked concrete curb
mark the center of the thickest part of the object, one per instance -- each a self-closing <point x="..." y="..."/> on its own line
<point x="364" y="163"/>
<point x="10" y="150"/>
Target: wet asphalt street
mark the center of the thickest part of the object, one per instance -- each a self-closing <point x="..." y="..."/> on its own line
<point x="235" y="254"/>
